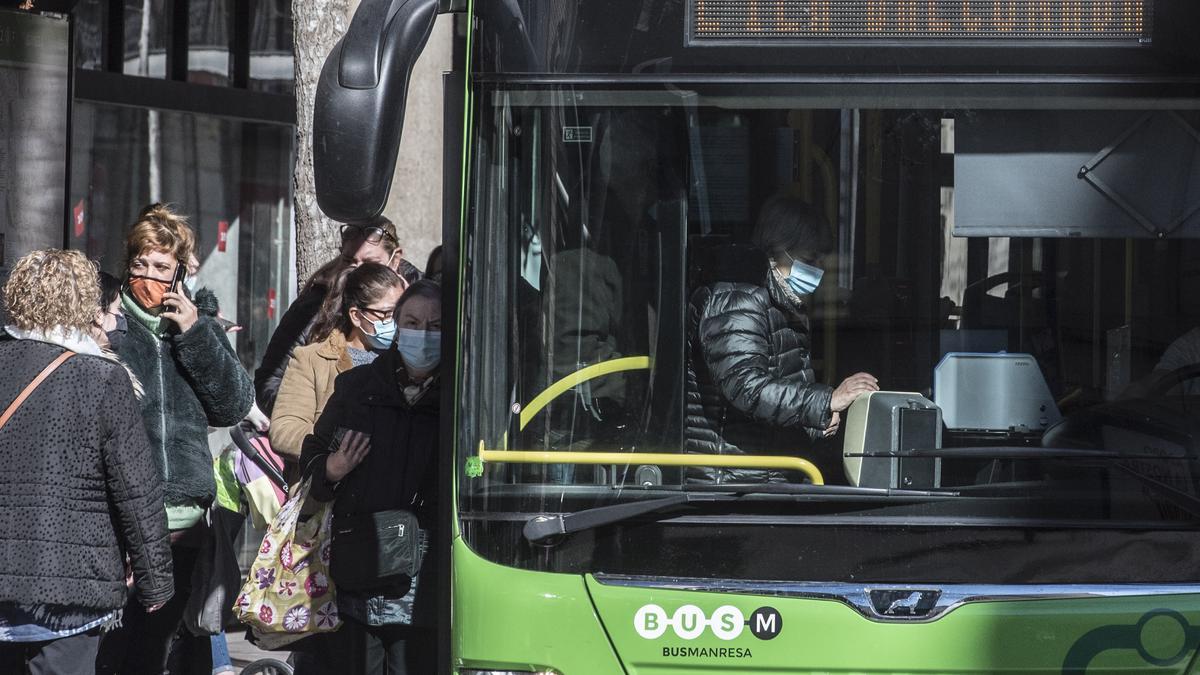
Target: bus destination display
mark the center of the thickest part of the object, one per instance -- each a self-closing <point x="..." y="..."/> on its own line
<point x="798" y="21"/>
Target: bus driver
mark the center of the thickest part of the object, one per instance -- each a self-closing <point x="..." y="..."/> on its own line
<point x="750" y="385"/>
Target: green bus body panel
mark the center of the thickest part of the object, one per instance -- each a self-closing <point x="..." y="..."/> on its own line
<point x="822" y="636"/>
<point x="510" y="618"/>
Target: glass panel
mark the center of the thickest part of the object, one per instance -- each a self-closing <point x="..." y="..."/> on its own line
<point x="209" y="41"/>
<point x="271" y="51"/>
<point x="233" y="181"/>
<point x="34" y="80"/>
<point x="89" y="33"/>
<point x="698" y="275"/>
<point x="146" y="36"/>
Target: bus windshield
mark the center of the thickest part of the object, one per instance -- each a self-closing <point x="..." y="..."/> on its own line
<point x="666" y="271"/>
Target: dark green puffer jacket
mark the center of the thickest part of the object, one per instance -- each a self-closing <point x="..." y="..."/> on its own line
<point x="193" y="380"/>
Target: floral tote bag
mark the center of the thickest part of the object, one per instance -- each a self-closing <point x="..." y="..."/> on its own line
<point x="288" y="593"/>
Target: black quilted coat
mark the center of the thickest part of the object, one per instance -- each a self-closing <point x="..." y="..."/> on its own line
<point x="400" y="471"/>
<point x="78" y="485"/>
<point x="750" y="383"/>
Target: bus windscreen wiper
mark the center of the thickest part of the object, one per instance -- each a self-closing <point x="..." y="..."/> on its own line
<point x="543" y="527"/>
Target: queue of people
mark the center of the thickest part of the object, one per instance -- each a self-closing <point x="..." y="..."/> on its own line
<point x="115" y="384"/>
<point x="118" y="381"/>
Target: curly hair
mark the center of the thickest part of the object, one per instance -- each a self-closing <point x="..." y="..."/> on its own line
<point x="159" y="228"/>
<point x="51" y="288"/>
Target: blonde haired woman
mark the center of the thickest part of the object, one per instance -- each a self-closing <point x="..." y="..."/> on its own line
<point x="193" y="380"/>
<point x="81" y="489"/>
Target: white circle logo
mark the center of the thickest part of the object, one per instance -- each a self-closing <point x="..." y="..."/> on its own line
<point x="651" y="622"/>
<point x="727" y="622"/>
<point x="689" y="622"/>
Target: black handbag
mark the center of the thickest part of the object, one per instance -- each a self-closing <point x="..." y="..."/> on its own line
<point x="371" y="550"/>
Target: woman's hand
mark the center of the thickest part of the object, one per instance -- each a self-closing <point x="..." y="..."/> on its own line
<point x="850" y="389"/>
<point x="834" y="425"/>
<point x="179" y="309"/>
<point x="350" y="453"/>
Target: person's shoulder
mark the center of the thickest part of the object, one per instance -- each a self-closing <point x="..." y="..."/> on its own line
<point x="103" y="366"/>
<point x="738" y="293"/>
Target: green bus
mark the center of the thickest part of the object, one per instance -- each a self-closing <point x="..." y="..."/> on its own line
<point x="1011" y="192"/>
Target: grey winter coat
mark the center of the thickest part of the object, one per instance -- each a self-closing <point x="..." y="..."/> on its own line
<point x="77" y="485"/>
<point x="193" y="381"/>
<point x="750" y="384"/>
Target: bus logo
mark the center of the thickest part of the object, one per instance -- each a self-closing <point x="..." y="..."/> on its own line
<point x="905" y="603"/>
<point x="690" y="622"/>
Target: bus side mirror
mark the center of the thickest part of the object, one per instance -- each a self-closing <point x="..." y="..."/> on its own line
<point x="359" y="112"/>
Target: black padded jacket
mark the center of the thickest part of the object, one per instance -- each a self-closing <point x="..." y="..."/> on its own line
<point x="78" y="485"/>
<point x="750" y="383"/>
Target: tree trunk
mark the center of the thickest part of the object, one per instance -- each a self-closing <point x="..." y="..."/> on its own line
<point x="319" y="24"/>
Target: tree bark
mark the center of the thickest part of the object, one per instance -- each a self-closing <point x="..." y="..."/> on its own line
<point x="319" y="24"/>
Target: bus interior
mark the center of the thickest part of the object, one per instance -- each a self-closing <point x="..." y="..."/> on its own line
<point x="970" y="239"/>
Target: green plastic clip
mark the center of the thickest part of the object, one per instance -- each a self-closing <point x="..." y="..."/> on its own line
<point x="474" y="467"/>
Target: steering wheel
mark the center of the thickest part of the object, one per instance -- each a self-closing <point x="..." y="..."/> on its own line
<point x="1173" y="379"/>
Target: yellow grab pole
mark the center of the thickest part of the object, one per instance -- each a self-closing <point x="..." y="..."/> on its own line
<point x="660" y="458"/>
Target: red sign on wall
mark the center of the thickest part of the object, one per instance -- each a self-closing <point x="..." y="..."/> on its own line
<point x="222" y="235"/>
<point x="270" y="303"/>
<point x="79" y="219"/>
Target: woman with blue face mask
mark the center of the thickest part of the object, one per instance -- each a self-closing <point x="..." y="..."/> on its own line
<point x="751" y="388"/>
<point x="374" y="453"/>
<point x="355" y="325"/>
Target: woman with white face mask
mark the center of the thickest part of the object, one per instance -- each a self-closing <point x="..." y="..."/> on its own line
<point x="373" y="454"/>
<point x="751" y="385"/>
<point x="355" y="325"/>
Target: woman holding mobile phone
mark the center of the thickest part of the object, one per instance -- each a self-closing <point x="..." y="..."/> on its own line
<point x="193" y="380"/>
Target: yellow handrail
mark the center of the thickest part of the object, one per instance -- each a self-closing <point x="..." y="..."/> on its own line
<point x="660" y="458"/>
<point x="591" y="372"/>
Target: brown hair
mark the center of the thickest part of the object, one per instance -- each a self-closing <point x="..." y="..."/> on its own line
<point x="357" y="287"/>
<point x="425" y="288"/>
<point x="50" y="288"/>
<point x="159" y="228"/>
<point x="327" y="276"/>
<point x="391" y="241"/>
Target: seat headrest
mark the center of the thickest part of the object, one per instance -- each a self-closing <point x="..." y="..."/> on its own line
<point x="731" y="262"/>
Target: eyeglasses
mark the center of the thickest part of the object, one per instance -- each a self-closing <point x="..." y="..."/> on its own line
<point x="378" y="314"/>
<point x="373" y="234"/>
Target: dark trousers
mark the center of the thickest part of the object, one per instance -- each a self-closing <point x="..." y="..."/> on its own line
<point x="75" y="655"/>
<point x="141" y="645"/>
<point x="359" y="649"/>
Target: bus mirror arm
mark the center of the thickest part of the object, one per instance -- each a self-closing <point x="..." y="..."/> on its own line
<point x="358" y="117"/>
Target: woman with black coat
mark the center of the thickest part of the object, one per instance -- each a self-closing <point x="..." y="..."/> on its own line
<point x="751" y="388"/>
<point x="79" y="488"/>
<point x="374" y="449"/>
<point x="192" y="380"/>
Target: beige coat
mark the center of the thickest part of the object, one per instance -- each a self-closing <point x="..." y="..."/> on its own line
<point x="306" y="388"/>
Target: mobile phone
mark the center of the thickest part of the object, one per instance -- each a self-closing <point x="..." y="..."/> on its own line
<point x="177" y="280"/>
<point x="339" y="435"/>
